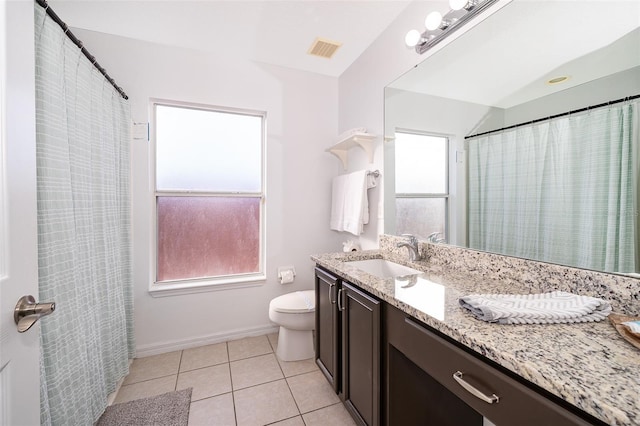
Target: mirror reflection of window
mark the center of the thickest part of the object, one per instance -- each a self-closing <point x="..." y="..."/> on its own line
<point x="422" y="189"/>
<point x="442" y="95"/>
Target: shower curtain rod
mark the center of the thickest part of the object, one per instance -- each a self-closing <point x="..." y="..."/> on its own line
<point x="628" y="98"/>
<point x="78" y="43"/>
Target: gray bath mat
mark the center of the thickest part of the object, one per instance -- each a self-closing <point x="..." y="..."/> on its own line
<point x="170" y="409"/>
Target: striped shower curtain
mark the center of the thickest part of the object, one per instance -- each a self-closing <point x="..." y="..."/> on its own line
<point x="563" y="191"/>
<point x="84" y="243"/>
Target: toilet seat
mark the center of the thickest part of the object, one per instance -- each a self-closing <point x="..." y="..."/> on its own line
<point x="295" y="314"/>
<point x="297" y="302"/>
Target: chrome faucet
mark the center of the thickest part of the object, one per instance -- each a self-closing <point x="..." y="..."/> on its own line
<point x="412" y="246"/>
<point x="433" y="238"/>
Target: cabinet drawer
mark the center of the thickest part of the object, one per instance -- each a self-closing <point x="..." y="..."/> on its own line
<point x="492" y="393"/>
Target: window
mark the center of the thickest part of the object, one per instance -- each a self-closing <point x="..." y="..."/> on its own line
<point x="422" y="189"/>
<point x="209" y="196"/>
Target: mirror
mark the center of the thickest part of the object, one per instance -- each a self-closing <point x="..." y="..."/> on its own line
<point x="528" y="61"/>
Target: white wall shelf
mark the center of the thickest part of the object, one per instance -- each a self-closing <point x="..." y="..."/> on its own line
<point x="363" y="140"/>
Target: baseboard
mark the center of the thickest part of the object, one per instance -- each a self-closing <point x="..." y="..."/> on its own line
<point x="176" y="345"/>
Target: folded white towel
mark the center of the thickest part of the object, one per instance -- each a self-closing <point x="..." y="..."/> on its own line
<point x="356" y="203"/>
<point x="350" y="203"/>
<point x="351" y="132"/>
<point x="338" y="191"/>
<point x="545" y="308"/>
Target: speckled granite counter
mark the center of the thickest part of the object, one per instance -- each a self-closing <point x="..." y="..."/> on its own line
<point x="588" y="365"/>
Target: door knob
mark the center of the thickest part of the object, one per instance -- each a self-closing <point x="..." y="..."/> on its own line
<point x="27" y="312"/>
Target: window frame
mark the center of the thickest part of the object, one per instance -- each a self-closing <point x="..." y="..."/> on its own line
<point x="222" y="282"/>
<point x="431" y="195"/>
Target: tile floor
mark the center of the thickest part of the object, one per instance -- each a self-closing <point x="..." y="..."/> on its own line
<point x="240" y="382"/>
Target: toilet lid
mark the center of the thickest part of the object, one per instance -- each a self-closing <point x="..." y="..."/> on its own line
<point x="295" y="302"/>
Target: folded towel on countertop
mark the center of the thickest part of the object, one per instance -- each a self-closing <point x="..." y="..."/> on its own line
<point x="545" y="308"/>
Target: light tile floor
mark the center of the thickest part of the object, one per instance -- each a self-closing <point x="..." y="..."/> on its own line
<point x="240" y="382"/>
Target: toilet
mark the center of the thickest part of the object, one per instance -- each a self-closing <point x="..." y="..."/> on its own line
<point x="295" y="314"/>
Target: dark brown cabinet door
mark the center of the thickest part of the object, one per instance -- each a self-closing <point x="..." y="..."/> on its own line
<point x="361" y="354"/>
<point x="327" y="337"/>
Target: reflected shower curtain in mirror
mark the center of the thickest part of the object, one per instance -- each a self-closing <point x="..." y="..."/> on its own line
<point x="84" y="247"/>
<point x="563" y="190"/>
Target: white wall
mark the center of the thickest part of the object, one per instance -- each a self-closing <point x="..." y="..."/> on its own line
<point x="361" y="93"/>
<point x="301" y="123"/>
<point x="605" y="89"/>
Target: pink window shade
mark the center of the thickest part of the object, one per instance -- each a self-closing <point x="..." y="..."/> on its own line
<point x="200" y="237"/>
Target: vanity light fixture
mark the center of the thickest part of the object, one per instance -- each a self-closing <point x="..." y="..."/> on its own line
<point x="438" y="27"/>
<point x="412" y="38"/>
<point x="462" y="4"/>
<point x="434" y="21"/>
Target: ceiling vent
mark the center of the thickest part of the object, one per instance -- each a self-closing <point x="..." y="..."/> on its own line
<point x="323" y="47"/>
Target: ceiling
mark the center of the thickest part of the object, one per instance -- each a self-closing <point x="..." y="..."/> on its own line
<point x="508" y="59"/>
<point x="529" y="40"/>
<point x="268" y="31"/>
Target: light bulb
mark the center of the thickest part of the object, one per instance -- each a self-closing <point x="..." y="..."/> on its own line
<point x="457" y="4"/>
<point x="433" y="21"/>
<point x="412" y="38"/>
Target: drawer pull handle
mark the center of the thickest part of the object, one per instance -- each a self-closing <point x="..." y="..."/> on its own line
<point x="457" y="376"/>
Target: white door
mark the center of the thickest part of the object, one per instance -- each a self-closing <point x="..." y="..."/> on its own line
<point x="19" y="352"/>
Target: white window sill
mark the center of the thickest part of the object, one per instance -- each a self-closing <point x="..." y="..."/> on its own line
<point x="175" y="288"/>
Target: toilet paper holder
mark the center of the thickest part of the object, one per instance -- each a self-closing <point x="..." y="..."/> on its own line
<point x="286" y="274"/>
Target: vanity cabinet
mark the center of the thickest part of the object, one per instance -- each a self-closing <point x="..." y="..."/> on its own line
<point x="391" y="369"/>
<point x="431" y="380"/>
<point x="361" y="354"/>
<point x="348" y="344"/>
<point x="327" y="333"/>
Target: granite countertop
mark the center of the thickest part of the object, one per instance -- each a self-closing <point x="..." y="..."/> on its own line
<point x="589" y="364"/>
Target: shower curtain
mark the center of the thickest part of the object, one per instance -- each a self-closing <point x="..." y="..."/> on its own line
<point x="563" y="190"/>
<point x="84" y="243"/>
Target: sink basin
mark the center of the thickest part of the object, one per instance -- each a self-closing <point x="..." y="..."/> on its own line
<point x="383" y="268"/>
